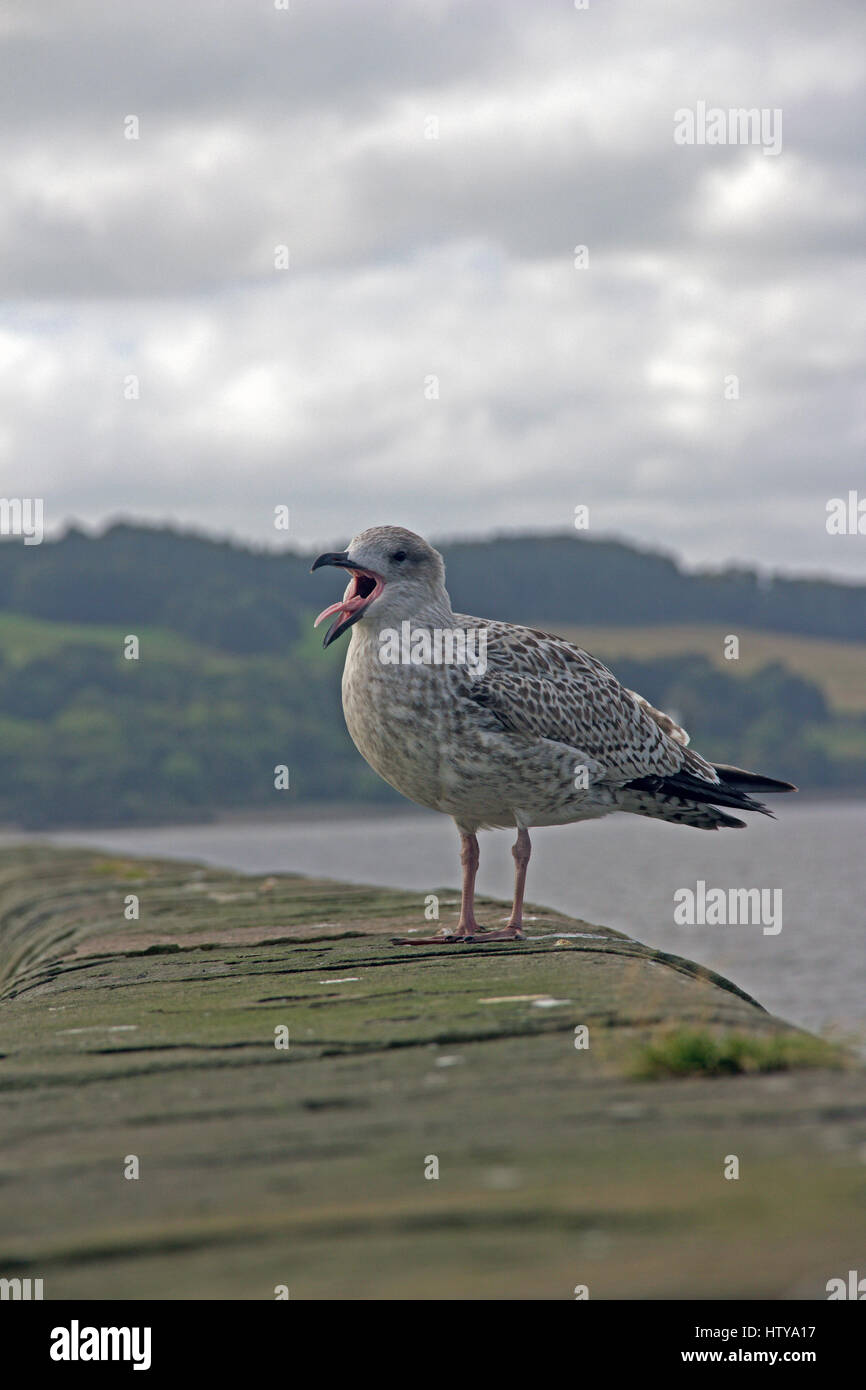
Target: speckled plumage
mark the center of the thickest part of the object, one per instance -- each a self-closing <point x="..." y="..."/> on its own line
<point x="503" y="748"/>
<point x="543" y="735"/>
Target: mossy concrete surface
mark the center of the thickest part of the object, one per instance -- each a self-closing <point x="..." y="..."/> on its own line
<point x="156" y="1040"/>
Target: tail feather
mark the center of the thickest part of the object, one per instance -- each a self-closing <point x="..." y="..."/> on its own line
<point x="681" y="810"/>
<point x="732" y="789"/>
<point x="751" y="781"/>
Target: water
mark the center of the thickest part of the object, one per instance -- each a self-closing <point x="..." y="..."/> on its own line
<point x="622" y="871"/>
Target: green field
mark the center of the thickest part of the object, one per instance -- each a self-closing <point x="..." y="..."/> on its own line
<point x="24" y="639"/>
<point x="838" y="668"/>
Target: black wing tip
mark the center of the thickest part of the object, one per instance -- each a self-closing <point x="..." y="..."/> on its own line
<point x="686" y="787"/>
<point x="741" y="780"/>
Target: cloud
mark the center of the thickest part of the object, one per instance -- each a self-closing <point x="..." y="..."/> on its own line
<point x="453" y="257"/>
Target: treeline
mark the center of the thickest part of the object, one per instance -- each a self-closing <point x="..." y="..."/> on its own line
<point x="218" y="593"/>
<point x="242" y="600"/>
<point x="197" y="726"/>
<point x="566" y="579"/>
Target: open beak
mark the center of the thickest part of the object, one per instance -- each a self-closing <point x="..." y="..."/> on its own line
<point x="364" y="586"/>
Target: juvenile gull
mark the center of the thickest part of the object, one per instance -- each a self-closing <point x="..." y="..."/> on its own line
<point x="506" y="726"/>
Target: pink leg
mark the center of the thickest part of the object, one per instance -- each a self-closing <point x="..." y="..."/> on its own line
<point x="521" y="850"/>
<point x="467" y="927"/>
<point x="469" y="857"/>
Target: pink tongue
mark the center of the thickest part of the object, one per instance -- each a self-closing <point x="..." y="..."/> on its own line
<point x="347" y="605"/>
<point x="326" y="612"/>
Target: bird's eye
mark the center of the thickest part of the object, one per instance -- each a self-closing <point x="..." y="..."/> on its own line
<point x="399" y="555"/>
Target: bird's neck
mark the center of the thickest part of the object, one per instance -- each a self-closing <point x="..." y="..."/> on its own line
<point x="435" y="614"/>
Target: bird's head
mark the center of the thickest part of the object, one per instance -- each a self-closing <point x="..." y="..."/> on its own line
<point x="394" y="574"/>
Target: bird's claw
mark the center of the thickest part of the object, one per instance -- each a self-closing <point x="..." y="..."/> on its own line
<point x="441" y="938"/>
<point x="449" y="938"/>
<point x="507" y="934"/>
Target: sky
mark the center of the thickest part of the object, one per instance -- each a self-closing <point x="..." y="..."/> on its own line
<point x="322" y="256"/>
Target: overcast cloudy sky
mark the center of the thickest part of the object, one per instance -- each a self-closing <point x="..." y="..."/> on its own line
<point x="413" y="257"/>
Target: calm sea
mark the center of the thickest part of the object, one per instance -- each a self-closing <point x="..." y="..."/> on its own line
<point x="623" y="871"/>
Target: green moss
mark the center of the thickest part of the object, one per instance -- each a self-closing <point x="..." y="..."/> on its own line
<point x="698" y="1052"/>
<point x="306" y="1166"/>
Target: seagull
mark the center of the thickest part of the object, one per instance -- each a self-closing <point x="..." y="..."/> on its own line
<point x="499" y="725"/>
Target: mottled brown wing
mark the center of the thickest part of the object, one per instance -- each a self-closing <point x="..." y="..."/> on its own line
<point x="541" y="686"/>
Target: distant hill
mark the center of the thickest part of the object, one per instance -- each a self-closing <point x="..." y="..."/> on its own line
<point x="244" y="600"/>
<point x="213" y="591"/>
<point x="568" y="579"/>
<point x="233" y="681"/>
